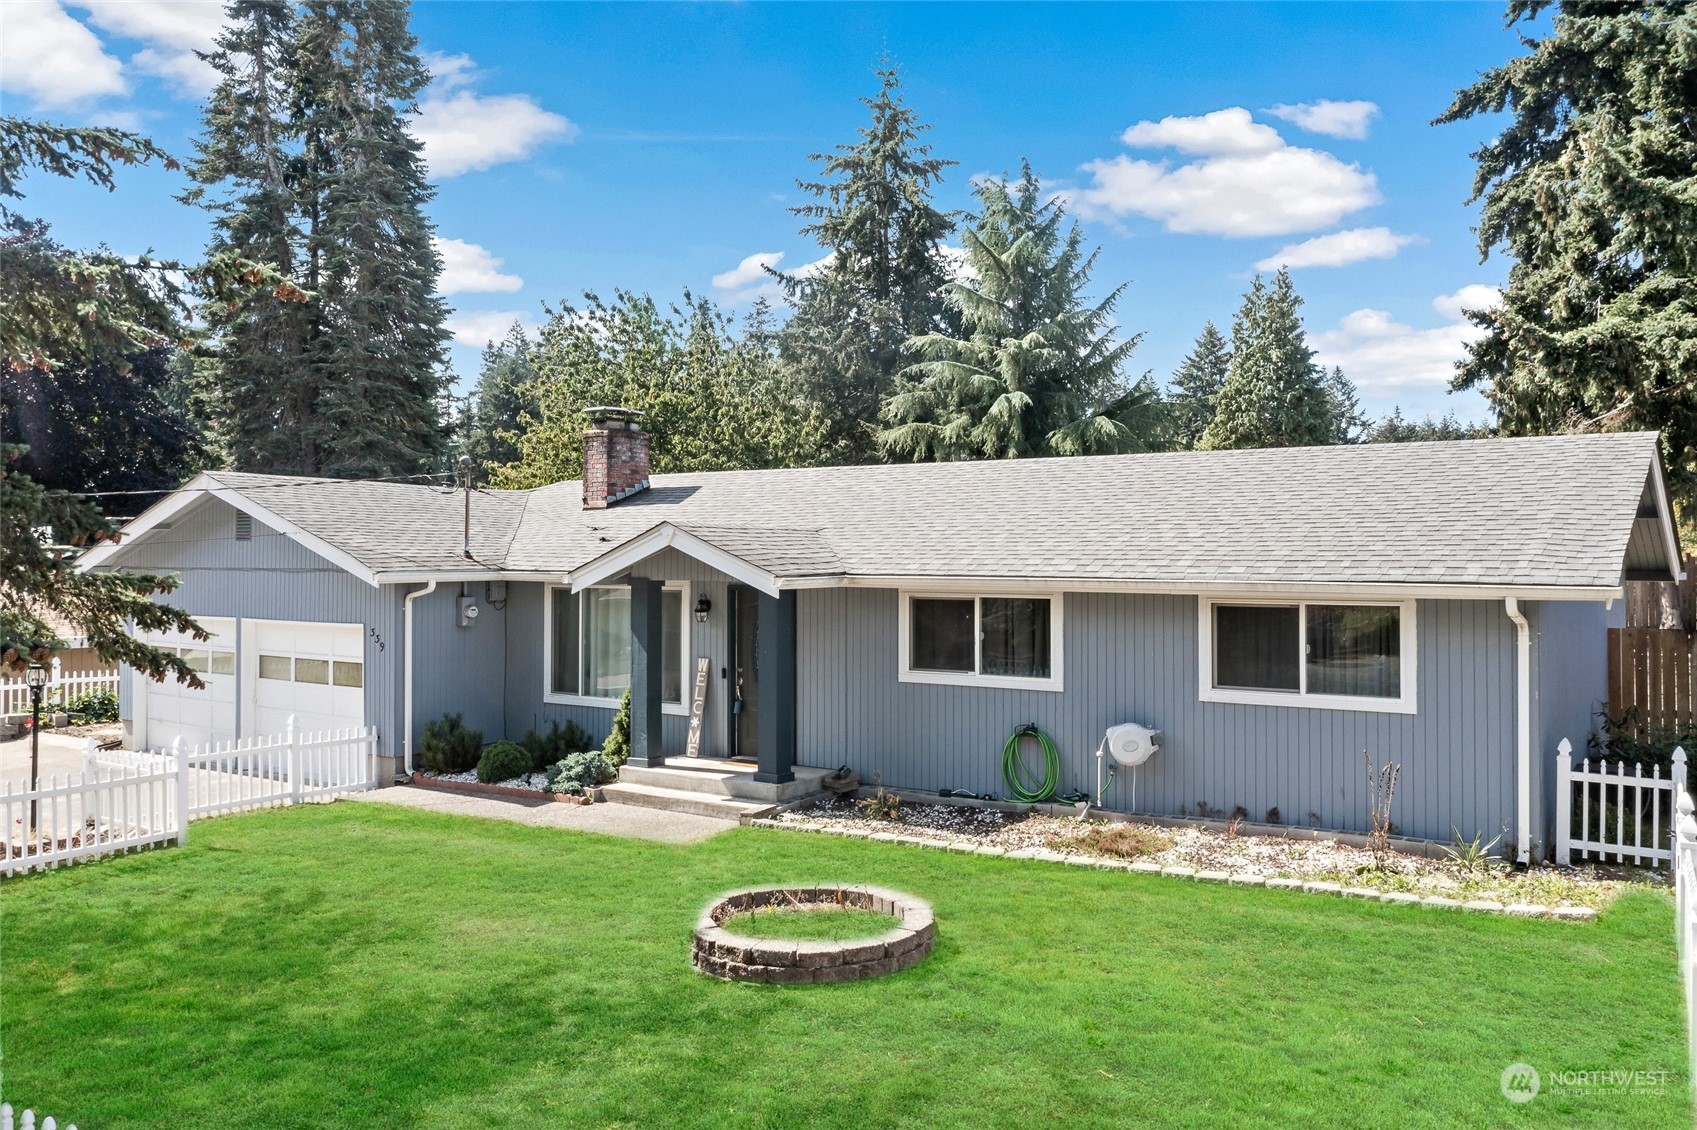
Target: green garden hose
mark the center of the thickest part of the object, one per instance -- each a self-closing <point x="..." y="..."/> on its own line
<point x="1013" y="767"/>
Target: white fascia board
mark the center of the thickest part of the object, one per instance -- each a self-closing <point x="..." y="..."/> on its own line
<point x="1670" y="538"/>
<point x="204" y="486"/>
<point x="620" y="559"/>
<point x="1193" y="588"/>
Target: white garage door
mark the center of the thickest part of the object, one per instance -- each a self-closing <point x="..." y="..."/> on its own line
<point x="170" y="710"/>
<point x="315" y="672"/>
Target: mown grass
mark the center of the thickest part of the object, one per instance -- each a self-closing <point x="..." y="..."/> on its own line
<point x="365" y="966"/>
<point x="828" y="925"/>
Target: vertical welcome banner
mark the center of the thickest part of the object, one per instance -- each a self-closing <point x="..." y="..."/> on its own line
<point x="698" y="706"/>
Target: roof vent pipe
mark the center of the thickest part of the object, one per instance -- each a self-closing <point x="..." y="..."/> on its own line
<point x="465" y="476"/>
<point x="615" y="456"/>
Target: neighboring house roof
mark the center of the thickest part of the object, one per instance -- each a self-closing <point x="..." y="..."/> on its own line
<point x="1559" y="512"/>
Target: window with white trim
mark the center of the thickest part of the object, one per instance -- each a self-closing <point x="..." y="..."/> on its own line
<point x="980" y="640"/>
<point x="1340" y="654"/>
<point x="588" y="645"/>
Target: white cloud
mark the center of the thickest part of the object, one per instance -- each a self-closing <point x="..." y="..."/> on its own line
<point x="477" y="328"/>
<point x="1338" y="249"/>
<point x="1247" y="182"/>
<point x="464" y="131"/>
<point x="817" y="267"/>
<point x="173" y="31"/>
<point x="51" y="58"/>
<point x="1385" y="357"/>
<point x="1334" y="119"/>
<point x="956" y="263"/>
<point x="1223" y="131"/>
<point x="470" y="269"/>
<point x="750" y="272"/>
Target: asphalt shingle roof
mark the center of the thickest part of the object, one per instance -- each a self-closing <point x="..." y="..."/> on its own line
<point x="1555" y="510"/>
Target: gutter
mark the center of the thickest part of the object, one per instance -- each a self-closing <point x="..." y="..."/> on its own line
<point x="1522" y="730"/>
<point x="406" y="678"/>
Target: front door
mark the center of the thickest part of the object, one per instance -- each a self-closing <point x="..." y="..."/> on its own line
<point x="745" y="685"/>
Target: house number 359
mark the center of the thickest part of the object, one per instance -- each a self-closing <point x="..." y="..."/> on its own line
<point x="377" y="638"/>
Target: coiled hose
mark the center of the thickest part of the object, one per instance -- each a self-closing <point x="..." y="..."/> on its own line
<point x="1013" y="767"/>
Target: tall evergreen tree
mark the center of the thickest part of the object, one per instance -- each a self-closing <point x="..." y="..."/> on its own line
<point x="264" y="395"/>
<point x="1588" y="187"/>
<point x="1195" y="384"/>
<point x="1349" y="422"/>
<point x="498" y="401"/>
<point x="379" y="340"/>
<point x="1274" y="394"/>
<point x="1036" y="370"/>
<point x="882" y="283"/>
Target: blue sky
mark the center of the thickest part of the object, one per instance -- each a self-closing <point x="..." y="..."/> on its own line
<point x="656" y="147"/>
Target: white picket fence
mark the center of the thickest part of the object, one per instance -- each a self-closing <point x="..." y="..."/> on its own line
<point x="1624" y="814"/>
<point x="27" y="1120"/>
<point x="62" y="687"/>
<point x="1685" y="917"/>
<point x="124" y="801"/>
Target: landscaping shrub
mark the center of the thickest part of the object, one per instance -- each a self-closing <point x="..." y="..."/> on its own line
<point x="448" y="747"/>
<point x="503" y="761"/>
<point x="96" y="706"/>
<point x="558" y="743"/>
<point x="617" y="746"/>
<point x="581" y="771"/>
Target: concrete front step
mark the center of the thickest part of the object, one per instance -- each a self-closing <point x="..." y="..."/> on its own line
<point x="724" y="779"/>
<point x="682" y="800"/>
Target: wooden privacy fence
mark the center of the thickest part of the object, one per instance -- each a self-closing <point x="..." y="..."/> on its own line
<point x="124" y="801"/>
<point x="1616" y="813"/>
<point x="62" y="687"/>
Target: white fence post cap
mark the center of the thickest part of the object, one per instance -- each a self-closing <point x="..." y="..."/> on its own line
<point x="1564" y="747"/>
<point x="1679" y="755"/>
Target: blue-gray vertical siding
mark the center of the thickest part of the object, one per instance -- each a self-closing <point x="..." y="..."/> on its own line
<point x="1570" y="687"/>
<point x="525" y="708"/>
<point x="272" y="577"/>
<point x="1131" y="657"/>
<point x="460" y="670"/>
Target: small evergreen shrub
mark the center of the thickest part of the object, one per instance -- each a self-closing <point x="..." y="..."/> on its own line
<point x="96" y="706"/>
<point x="503" y="761"/>
<point x="617" y="746"/>
<point x="581" y="771"/>
<point x="558" y="743"/>
<point x="448" y="747"/>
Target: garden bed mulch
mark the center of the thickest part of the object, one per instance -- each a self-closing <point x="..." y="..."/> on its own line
<point x="530" y="786"/>
<point x="1316" y="865"/>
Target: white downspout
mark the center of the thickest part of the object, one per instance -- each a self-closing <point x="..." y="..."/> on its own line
<point x="406" y="692"/>
<point x="1522" y="729"/>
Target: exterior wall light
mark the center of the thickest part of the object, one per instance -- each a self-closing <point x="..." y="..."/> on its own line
<point x="702" y="608"/>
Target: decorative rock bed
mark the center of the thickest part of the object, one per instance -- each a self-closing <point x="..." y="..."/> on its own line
<point x="722" y="953"/>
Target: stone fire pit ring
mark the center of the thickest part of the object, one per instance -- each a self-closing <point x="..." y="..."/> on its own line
<point x="721" y="953"/>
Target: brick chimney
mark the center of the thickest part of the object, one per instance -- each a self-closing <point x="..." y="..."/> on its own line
<point x="615" y="456"/>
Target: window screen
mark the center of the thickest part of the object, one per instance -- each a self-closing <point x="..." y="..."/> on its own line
<point x="1354" y="650"/>
<point x="562" y="663"/>
<point x="941" y="632"/>
<point x="671" y="645"/>
<point x="1014" y="636"/>
<point x="606" y="642"/>
<point x="1257" y="647"/>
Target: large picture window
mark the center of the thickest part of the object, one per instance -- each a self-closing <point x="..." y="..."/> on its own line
<point x="589" y="645"/>
<point x="1011" y="641"/>
<point x="1341" y="655"/>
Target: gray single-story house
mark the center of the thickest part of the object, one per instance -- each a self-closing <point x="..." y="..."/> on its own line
<point x="1273" y="612"/>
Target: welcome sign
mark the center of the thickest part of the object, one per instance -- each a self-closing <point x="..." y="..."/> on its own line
<point x="698" y="706"/>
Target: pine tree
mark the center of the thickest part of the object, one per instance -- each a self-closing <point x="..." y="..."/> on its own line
<point x="1195" y="384"/>
<point x="1274" y="394"/>
<point x="379" y="341"/>
<point x="1588" y="189"/>
<point x="1349" y="422"/>
<point x="1036" y="370"/>
<point x="494" y="410"/>
<point x="266" y="394"/>
<point x="883" y="281"/>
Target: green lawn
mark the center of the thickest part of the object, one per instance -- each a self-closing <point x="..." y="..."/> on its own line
<point x="365" y="966"/>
